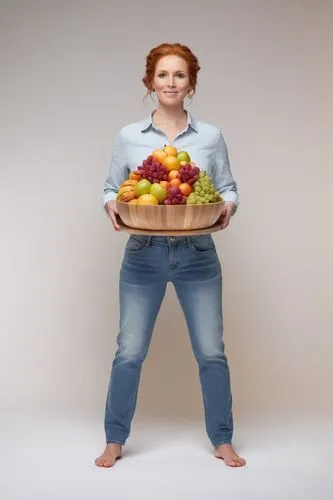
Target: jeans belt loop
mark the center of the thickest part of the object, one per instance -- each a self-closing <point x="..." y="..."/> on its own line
<point x="148" y="241"/>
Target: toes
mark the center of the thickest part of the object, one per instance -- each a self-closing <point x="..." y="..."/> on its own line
<point x="104" y="461"/>
<point x="231" y="463"/>
<point x="108" y="463"/>
<point x="240" y="462"/>
<point x="99" y="462"/>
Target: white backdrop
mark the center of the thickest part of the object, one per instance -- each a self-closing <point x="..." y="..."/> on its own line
<point x="71" y="77"/>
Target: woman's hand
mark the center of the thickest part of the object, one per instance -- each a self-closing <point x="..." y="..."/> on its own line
<point x="111" y="210"/>
<point x="228" y="211"/>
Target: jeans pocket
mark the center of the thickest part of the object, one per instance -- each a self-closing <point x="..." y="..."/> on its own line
<point x="136" y="243"/>
<point x="202" y="243"/>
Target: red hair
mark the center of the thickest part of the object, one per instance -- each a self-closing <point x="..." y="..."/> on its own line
<point x="171" y="49"/>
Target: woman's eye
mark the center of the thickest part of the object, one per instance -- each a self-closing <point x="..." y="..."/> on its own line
<point x="162" y="75"/>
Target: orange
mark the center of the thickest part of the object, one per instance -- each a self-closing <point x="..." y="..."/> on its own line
<point x="173" y="174"/>
<point x="165" y="184"/>
<point x="133" y="202"/>
<point x="159" y="155"/>
<point x="147" y="199"/>
<point x="171" y="163"/>
<point x="175" y="182"/>
<point x="170" y="150"/>
<point x="186" y="188"/>
<point x="135" y="175"/>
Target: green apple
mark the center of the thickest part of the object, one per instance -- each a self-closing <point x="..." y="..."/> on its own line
<point x="183" y="156"/>
<point x="142" y="187"/>
<point x="159" y="192"/>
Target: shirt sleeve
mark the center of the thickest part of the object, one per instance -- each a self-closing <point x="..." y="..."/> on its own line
<point x="224" y="181"/>
<point x="118" y="171"/>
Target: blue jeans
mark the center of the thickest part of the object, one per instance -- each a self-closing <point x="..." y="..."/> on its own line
<point x="192" y="265"/>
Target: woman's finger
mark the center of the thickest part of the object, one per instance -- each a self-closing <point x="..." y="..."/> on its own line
<point x="114" y="221"/>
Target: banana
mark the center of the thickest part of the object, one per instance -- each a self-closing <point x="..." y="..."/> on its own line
<point x="125" y="189"/>
<point x="126" y="196"/>
<point x="129" y="182"/>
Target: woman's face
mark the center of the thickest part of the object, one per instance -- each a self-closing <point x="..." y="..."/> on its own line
<point x="171" y="80"/>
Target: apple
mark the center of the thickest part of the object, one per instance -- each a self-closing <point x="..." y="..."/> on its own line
<point x="159" y="192"/>
<point x="183" y="156"/>
<point x="142" y="187"/>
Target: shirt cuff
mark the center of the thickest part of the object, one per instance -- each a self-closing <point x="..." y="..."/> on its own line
<point x="109" y="196"/>
<point x="231" y="196"/>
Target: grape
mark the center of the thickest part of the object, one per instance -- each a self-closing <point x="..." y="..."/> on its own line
<point x="189" y="173"/>
<point x="173" y="190"/>
<point x="191" y="200"/>
<point x="204" y="190"/>
<point x="175" y="196"/>
<point x="152" y="170"/>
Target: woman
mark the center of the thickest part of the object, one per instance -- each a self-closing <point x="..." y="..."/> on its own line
<point x="190" y="263"/>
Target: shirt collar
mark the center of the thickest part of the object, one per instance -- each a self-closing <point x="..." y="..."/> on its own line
<point x="148" y="123"/>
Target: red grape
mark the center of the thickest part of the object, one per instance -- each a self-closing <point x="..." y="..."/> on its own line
<point x="189" y="173"/>
<point x="152" y="170"/>
<point x="175" y="196"/>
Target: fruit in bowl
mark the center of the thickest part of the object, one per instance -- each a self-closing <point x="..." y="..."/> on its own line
<point x="169" y="191"/>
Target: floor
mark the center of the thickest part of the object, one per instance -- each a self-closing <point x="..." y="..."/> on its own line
<point x="52" y="459"/>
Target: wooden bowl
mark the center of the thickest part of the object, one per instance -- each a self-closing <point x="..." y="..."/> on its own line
<point x="166" y="217"/>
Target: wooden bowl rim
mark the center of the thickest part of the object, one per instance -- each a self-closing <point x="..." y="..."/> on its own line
<point x="175" y="206"/>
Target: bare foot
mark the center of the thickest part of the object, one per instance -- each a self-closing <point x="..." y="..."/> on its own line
<point x="230" y="457"/>
<point x="108" y="458"/>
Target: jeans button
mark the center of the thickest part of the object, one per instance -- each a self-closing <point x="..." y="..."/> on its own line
<point x="172" y="238"/>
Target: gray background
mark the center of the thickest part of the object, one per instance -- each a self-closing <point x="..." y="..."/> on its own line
<point x="70" y="78"/>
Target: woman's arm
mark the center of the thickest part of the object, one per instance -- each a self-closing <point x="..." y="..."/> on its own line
<point x="118" y="173"/>
<point x="224" y="181"/>
<point x="223" y="178"/>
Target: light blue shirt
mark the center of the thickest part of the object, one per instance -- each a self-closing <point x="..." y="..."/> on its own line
<point x="203" y="142"/>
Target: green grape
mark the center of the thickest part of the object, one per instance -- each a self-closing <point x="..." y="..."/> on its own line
<point x="190" y="201"/>
<point x="204" y="190"/>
